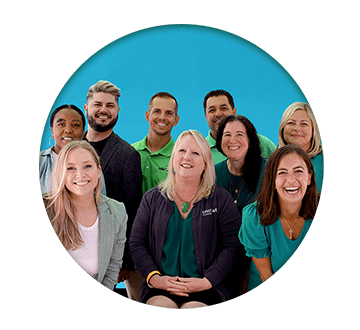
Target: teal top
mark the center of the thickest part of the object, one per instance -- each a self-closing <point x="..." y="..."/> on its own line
<point x="234" y="182"/>
<point x="153" y="165"/>
<point x="266" y="145"/>
<point x="178" y="257"/>
<point x="318" y="163"/>
<point x="266" y="241"/>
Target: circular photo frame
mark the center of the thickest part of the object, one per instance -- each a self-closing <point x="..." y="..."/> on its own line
<point x="203" y="74"/>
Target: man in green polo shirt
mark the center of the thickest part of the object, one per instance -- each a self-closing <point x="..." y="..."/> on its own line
<point x="217" y="105"/>
<point x="155" y="149"/>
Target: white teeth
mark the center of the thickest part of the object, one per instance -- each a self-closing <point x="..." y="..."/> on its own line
<point x="81" y="183"/>
<point x="103" y="117"/>
<point x="186" y="166"/>
<point x="234" y="148"/>
<point x="292" y="189"/>
<point x="67" y="138"/>
<point x="161" y="124"/>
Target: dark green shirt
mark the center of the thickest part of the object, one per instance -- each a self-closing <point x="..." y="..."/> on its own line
<point x="178" y="257"/>
<point x="233" y="183"/>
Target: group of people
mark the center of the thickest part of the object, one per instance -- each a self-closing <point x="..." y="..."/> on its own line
<point x="184" y="224"/>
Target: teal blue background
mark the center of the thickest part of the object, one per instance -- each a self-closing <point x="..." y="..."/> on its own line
<point x="187" y="61"/>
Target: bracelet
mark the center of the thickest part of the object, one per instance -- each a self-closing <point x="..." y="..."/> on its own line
<point x="151" y="275"/>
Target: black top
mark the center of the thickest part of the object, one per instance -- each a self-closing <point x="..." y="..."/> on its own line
<point x="121" y="166"/>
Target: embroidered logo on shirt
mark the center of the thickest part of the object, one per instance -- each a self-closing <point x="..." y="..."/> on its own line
<point x="209" y="212"/>
<point x="162" y="169"/>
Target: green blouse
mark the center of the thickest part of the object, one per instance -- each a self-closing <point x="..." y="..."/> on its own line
<point x="178" y="257"/>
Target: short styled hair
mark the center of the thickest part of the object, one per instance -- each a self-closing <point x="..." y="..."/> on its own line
<point x="67" y="106"/>
<point x="219" y="92"/>
<point x="163" y="95"/>
<point x="104" y="87"/>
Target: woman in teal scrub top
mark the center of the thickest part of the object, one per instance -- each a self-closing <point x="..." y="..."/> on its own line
<point x="274" y="226"/>
<point x="298" y="126"/>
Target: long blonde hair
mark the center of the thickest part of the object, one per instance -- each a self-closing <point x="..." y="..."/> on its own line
<point x="315" y="146"/>
<point x="58" y="203"/>
<point x="207" y="178"/>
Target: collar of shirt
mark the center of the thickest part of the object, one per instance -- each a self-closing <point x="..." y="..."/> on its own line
<point x="211" y="141"/>
<point x="165" y="151"/>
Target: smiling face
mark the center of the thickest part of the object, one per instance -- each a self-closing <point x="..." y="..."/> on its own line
<point x="217" y="107"/>
<point x="162" y="116"/>
<point x="82" y="173"/>
<point x="292" y="179"/>
<point x="67" y="126"/>
<point x="235" y="141"/>
<point x="298" y="129"/>
<point x="102" y="111"/>
<point x="188" y="162"/>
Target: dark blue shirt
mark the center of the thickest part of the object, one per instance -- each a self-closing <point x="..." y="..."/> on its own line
<point x="216" y="223"/>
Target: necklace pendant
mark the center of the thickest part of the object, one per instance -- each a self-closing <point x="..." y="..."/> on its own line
<point x="290" y="233"/>
<point x="235" y="201"/>
<point x="185" y="207"/>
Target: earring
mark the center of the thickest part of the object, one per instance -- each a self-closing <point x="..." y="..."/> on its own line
<point x="50" y="141"/>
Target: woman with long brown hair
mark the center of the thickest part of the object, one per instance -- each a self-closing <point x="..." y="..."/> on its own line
<point x="274" y="226"/>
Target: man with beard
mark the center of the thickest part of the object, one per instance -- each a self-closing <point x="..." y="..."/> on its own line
<point x="155" y="149"/>
<point x="217" y="105"/>
<point x="119" y="162"/>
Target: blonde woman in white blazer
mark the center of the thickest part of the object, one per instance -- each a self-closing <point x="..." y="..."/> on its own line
<point x="91" y="227"/>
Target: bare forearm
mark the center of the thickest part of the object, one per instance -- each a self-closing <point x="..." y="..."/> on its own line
<point x="263" y="265"/>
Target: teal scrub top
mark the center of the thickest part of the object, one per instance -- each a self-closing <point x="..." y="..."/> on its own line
<point x="318" y="163"/>
<point x="178" y="257"/>
<point x="266" y="241"/>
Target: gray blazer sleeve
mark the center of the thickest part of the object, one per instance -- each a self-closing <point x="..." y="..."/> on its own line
<point x="112" y="237"/>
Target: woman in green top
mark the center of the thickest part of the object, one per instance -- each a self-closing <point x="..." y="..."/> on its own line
<point x="241" y="173"/>
<point x="274" y="226"/>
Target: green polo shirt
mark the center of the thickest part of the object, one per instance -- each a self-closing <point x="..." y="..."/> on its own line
<point x="153" y="165"/>
<point x="266" y="145"/>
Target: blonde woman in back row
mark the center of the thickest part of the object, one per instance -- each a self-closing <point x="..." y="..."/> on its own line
<point x="298" y="126"/>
